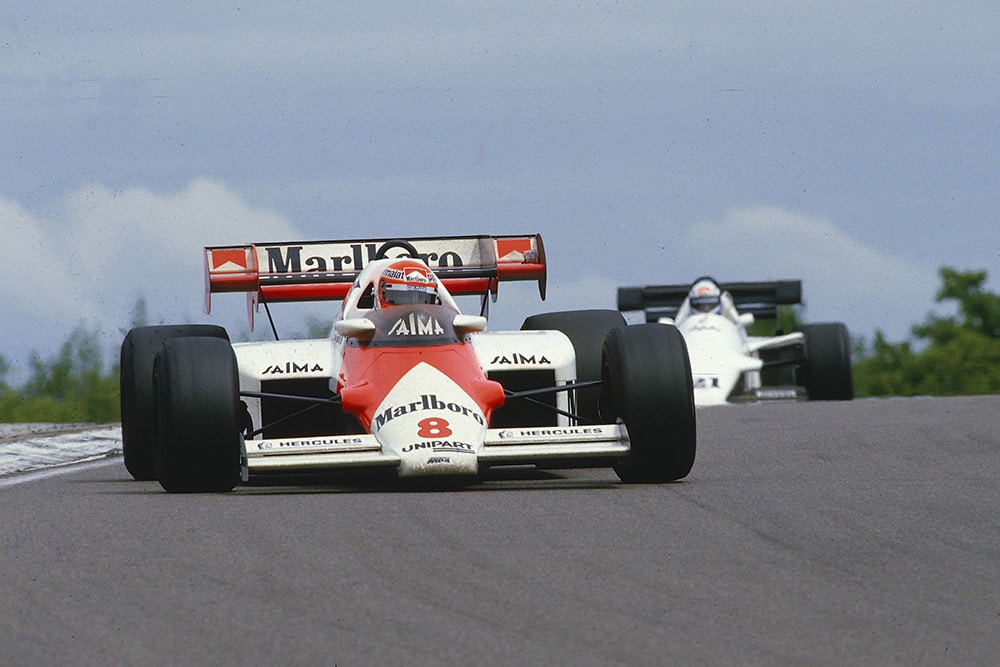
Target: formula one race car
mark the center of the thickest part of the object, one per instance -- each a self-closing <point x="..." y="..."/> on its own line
<point x="405" y="382"/>
<point x="728" y="364"/>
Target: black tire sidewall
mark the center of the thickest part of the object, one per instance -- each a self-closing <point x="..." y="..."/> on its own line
<point x="197" y="383"/>
<point x="138" y="395"/>
<point x="648" y="385"/>
<point x="826" y="374"/>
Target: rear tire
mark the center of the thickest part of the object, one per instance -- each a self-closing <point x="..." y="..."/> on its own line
<point x="826" y="373"/>
<point x="586" y="329"/>
<point x="199" y="415"/>
<point x="138" y="396"/>
<point x="648" y="385"/>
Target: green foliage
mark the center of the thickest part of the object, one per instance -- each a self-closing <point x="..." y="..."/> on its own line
<point x="70" y="387"/>
<point x="4" y="369"/>
<point x="786" y="320"/>
<point x="317" y="327"/>
<point x="979" y="309"/>
<point x="957" y="355"/>
<point x="947" y="356"/>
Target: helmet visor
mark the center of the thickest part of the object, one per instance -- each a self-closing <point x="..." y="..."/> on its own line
<point x="404" y="295"/>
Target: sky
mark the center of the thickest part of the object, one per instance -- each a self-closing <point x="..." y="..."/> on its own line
<point x="851" y="145"/>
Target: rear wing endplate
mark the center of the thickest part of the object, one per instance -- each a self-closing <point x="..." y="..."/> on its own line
<point x="760" y="298"/>
<point x="325" y="270"/>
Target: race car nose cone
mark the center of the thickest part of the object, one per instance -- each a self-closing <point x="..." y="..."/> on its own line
<point x="431" y="424"/>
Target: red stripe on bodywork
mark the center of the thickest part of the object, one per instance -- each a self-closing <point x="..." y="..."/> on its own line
<point x="369" y="374"/>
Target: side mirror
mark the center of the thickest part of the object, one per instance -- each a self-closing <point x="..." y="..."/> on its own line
<point x="469" y="323"/>
<point x="358" y="327"/>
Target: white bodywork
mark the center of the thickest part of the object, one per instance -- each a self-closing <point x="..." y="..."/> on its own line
<point x="723" y="355"/>
<point x="404" y="382"/>
<point x="406" y="432"/>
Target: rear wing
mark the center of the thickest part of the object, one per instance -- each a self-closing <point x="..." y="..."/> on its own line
<point x="325" y="270"/>
<point x="759" y="298"/>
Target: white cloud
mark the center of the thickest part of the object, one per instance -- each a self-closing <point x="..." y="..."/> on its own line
<point x="104" y="250"/>
<point x="138" y="242"/>
<point x="842" y="279"/>
<point x="516" y="301"/>
<point x="35" y="275"/>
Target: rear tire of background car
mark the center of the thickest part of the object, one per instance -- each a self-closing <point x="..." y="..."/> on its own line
<point x="647" y="384"/>
<point x="586" y="329"/>
<point x="826" y="373"/>
<point x="138" y="397"/>
<point x="200" y="416"/>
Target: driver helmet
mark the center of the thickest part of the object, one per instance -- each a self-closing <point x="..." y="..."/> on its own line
<point x="406" y="281"/>
<point x="705" y="296"/>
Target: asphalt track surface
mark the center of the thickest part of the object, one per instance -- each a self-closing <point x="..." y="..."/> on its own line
<point x="862" y="533"/>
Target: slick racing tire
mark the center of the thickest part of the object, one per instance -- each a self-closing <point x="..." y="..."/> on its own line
<point x="198" y="397"/>
<point x="647" y="384"/>
<point x="586" y="329"/>
<point x="138" y="399"/>
<point x="826" y="372"/>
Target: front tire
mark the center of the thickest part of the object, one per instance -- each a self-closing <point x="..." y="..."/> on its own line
<point x="199" y="415"/>
<point x="138" y="395"/>
<point x="648" y="385"/>
<point x="826" y="373"/>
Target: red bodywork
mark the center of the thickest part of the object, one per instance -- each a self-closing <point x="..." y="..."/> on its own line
<point x="371" y="369"/>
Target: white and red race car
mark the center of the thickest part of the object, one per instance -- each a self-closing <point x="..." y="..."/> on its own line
<point x="404" y="382"/>
<point x="730" y="365"/>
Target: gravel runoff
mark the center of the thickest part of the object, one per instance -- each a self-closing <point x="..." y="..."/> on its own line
<point x="20" y="429"/>
<point x="29" y="447"/>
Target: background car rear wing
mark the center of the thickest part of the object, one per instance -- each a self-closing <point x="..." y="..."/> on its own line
<point x="324" y="270"/>
<point x="759" y="298"/>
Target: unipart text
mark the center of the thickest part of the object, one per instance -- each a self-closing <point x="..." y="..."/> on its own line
<point x="440" y="446"/>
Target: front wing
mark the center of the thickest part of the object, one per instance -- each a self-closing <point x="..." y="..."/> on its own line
<point x="506" y="446"/>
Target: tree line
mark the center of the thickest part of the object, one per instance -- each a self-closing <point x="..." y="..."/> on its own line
<point x="944" y="356"/>
<point x="74" y="386"/>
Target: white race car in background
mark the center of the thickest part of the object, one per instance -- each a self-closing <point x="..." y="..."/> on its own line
<point x="730" y="365"/>
<point x="405" y="382"/>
